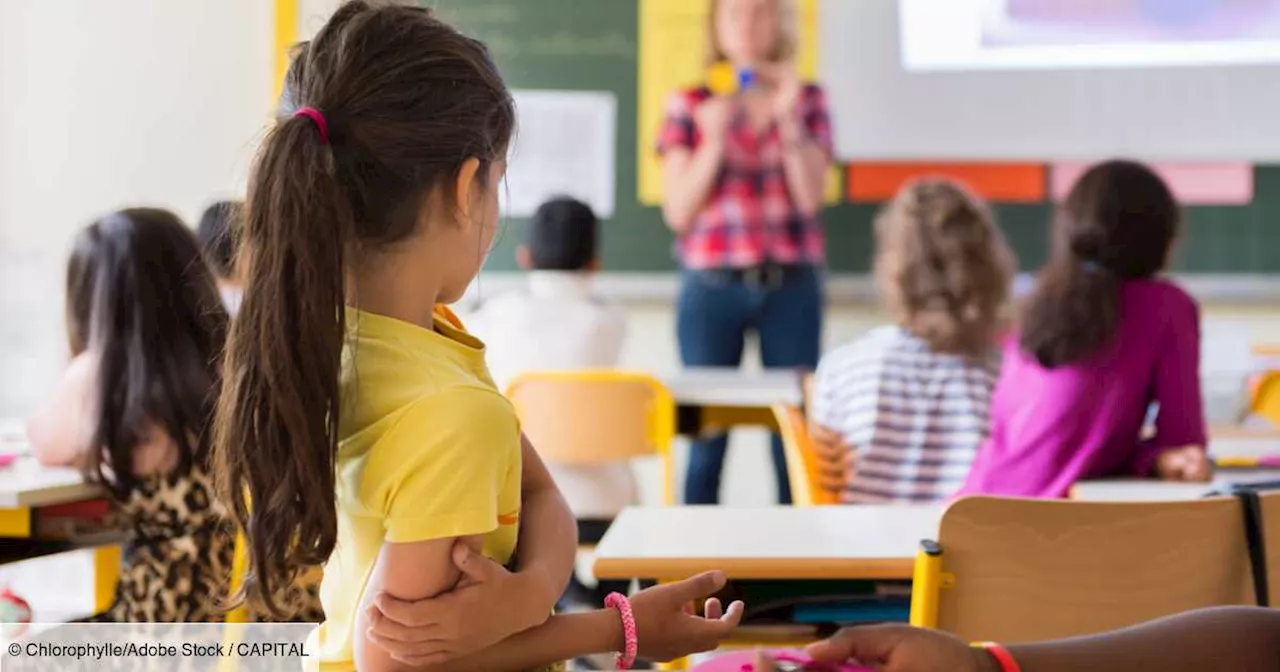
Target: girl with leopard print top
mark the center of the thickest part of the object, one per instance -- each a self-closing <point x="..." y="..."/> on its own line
<point x="146" y="329"/>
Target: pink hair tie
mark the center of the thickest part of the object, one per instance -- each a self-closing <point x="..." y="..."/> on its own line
<point x="317" y="117"/>
<point x="631" y="645"/>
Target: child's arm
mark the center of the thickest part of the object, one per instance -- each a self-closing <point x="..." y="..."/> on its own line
<point x="548" y="545"/>
<point x="1180" y="422"/>
<point x="838" y="457"/>
<point x="664" y="631"/>
<point x="410" y="571"/>
<point x="1240" y="639"/>
<point x="463" y="620"/>
<point x="61" y="432"/>
<point x="837" y="460"/>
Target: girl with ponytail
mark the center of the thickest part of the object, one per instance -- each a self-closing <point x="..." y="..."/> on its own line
<point x="1101" y="339"/>
<point x="359" y="427"/>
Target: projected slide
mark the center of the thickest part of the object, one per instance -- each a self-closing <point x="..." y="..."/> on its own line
<point x="1030" y="34"/>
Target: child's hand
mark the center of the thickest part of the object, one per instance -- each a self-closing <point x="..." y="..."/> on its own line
<point x="713" y="116"/>
<point x="837" y="461"/>
<point x="1188" y="463"/>
<point x="666" y="627"/>
<point x="899" y="648"/>
<point x="478" y="613"/>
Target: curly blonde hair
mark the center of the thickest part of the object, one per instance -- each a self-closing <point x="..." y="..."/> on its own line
<point x="943" y="266"/>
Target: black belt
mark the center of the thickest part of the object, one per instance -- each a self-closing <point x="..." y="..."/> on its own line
<point x="768" y="276"/>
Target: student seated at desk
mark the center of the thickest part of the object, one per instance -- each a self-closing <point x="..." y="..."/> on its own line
<point x="911" y="399"/>
<point x="1100" y="339"/>
<point x="218" y="231"/>
<point x="1238" y="639"/>
<point x="558" y="321"/>
<point x="134" y="408"/>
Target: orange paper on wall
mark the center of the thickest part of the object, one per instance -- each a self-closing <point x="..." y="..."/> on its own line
<point x="1002" y="182"/>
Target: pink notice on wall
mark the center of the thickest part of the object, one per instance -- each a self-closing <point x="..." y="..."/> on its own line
<point x="1192" y="183"/>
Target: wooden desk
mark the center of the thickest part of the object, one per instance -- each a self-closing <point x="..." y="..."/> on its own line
<point x="837" y="542"/>
<point x="1152" y="490"/>
<point x="714" y="399"/>
<point x="25" y="486"/>
<point x="26" y="483"/>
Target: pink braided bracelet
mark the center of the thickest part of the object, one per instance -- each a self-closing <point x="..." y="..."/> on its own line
<point x="631" y="641"/>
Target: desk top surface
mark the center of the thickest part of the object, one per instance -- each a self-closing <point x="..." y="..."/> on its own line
<point x="1152" y="490"/>
<point x="873" y="542"/>
<point x="735" y="387"/>
<point x="28" y="483"/>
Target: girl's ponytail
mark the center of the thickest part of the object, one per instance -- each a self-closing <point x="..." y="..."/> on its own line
<point x="277" y="427"/>
<point x="1118" y="223"/>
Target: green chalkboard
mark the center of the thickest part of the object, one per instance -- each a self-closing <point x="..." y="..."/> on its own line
<point x="591" y="45"/>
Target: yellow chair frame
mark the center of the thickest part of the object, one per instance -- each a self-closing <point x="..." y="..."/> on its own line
<point x="660" y="416"/>
<point x="802" y="465"/>
<point x="1265" y="399"/>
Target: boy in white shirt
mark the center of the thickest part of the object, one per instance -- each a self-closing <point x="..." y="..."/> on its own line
<point x="558" y="323"/>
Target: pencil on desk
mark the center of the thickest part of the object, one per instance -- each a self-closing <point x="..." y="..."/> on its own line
<point x="1242" y="462"/>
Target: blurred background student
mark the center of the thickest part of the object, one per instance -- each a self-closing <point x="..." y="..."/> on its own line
<point x="557" y="321"/>
<point x="133" y="409"/>
<point x="903" y="409"/>
<point x="218" y="231"/>
<point x="744" y="176"/>
<point x="1101" y="339"/>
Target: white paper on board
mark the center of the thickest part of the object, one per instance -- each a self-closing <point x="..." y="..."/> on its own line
<point x="565" y="145"/>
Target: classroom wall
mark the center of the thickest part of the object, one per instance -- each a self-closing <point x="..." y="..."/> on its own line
<point x="104" y="105"/>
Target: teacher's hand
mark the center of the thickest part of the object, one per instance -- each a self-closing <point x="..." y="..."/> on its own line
<point x="713" y="116"/>
<point x="787" y="91"/>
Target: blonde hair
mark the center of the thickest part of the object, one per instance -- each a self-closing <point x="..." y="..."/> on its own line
<point x="785" y="45"/>
<point x="943" y="266"/>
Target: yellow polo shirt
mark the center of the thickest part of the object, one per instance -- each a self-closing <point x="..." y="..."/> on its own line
<point x="428" y="450"/>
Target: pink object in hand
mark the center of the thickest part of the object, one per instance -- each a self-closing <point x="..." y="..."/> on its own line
<point x="631" y="644"/>
<point x="7" y="459"/>
<point x="744" y="661"/>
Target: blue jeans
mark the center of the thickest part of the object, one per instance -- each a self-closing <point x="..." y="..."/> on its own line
<point x="713" y="315"/>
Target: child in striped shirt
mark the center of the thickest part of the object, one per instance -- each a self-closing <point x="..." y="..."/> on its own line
<point x="900" y="412"/>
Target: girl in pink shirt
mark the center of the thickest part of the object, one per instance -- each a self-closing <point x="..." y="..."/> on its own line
<point x="1101" y="339"/>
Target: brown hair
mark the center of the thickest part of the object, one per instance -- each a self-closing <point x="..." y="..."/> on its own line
<point x="785" y="45"/>
<point x="1118" y="222"/>
<point x="407" y="100"/>
<point x="141" y="298"/>
<point x="943" y="266"/>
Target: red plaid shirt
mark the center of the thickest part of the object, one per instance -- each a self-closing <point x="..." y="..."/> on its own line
<point x="749" y="218"/>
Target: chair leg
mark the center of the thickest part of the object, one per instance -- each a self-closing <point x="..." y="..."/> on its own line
<point x="925" y="584"/>
<point x="106" y="574"/>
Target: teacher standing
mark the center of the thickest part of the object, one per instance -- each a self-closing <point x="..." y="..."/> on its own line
<point x="744" y="177"/>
